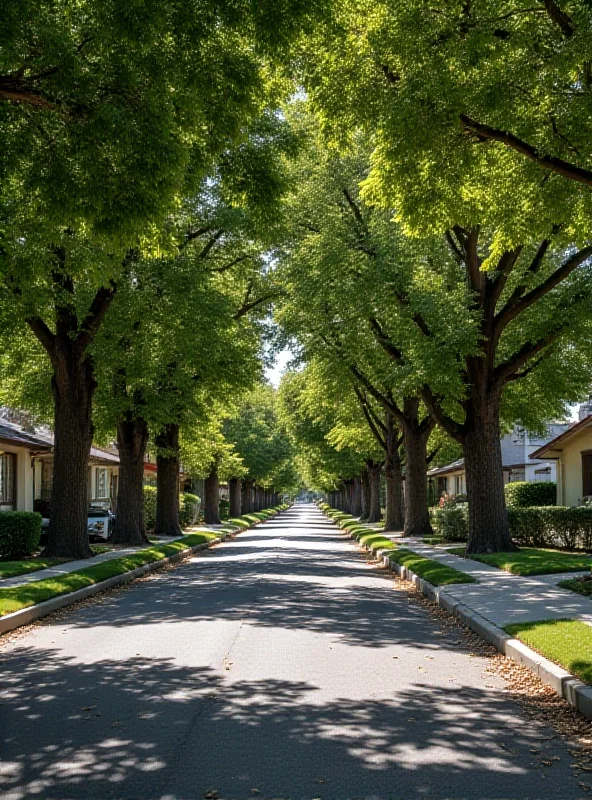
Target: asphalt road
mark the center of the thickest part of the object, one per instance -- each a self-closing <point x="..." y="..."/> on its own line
<point x="277" y="665"/>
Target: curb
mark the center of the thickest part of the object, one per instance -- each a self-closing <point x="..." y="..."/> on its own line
<point x="26" y="615"/>
<point x="574" y="691"/>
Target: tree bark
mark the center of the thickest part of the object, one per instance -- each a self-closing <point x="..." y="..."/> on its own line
<point x="212" y="497"/>
<point x="132" y="439"/>
<point x="416" y="435"/>
<point x="247" y="497"/>
<point x="365" y="488"/>
<point x="73" y="386"/>
<point x="488" y="519"/>
<point x="357" y="498"/>
<point x="167" y="482"/>
<point x="234" y="499"/>
<point x="395" y="513"/>
<point x="374" y="511"/>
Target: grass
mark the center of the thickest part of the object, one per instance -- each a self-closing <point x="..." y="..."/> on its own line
<point x="376" y="541"/>
<point x="532" y="561"/>
<point x="23" y="566"/>
<point x="30" y="594"/>
<point x="567" y="642"/>
<point x="577" y="585"/>
<point x="433" y="540"/>
<point x="432" y="571"/>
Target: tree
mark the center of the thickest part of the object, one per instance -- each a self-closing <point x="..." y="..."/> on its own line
<point x="103" y="128"/>
<point x="457" y="322"/>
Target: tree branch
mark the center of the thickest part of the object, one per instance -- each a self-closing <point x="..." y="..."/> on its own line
<point x="451" y="426"/>
<point x="560" y="18"/>
<point x="376" y="432"/>
<point x="96" y="314"/>
<point x="507" y="371"/>
<point x="45" y="336"/>
<point x="393" y="352"/>
<point x="513" y="309"/>
<point x="249" y="306"/>
<point x="552" y="163"/>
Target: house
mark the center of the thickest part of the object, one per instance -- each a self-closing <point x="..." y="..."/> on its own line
<point x="519" y="462"/>
<point x="26" y="470"/>
<point x="571" y="453"/>
<point x="18" y="450"/>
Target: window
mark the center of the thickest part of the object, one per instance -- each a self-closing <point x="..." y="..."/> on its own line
<point x="458" y="484"/>
<point x="7" y="487"/>
<point x="101" y="487"/>
<point x="587" y="474"/>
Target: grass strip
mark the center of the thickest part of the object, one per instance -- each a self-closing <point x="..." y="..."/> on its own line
<point x="376" y="541"/>
<point x="30" y="594"/>
<point x="23" y="566"/>
<point x="532" y="561"/>
<point x="567" y="642"/>
<point x="577" y="585"/>
<point x="432" y="571"/>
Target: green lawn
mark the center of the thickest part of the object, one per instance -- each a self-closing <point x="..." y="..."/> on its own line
<point x="433" y="571"/>
<point x="576" y="585"/>
<point x="376" y="541"/>
<point x="567" y="642"/>
<point x="30" y="594"/>
<point x="23" y="566"/>
<point x="532" y="561"/>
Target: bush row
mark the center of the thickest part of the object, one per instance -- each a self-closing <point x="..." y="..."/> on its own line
<point x="188" y="508"/>
<point x="543" y="526"/>
<point x="20" y="532"/>
<point x="525" y="494"/>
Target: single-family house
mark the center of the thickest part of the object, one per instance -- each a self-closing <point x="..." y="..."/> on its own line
<point x="571" y="453"/>
<point x="519" y="462"/>
<point x="18" y="450"/>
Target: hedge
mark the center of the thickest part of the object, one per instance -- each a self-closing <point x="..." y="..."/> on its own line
<point x="545" y="526"/>
<point x="20" y="532"/>
<point x="188" y="508"/>
<point x="523" y="494"/>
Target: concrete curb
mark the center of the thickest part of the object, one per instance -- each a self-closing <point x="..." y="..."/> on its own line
<point x="567" y="686"/>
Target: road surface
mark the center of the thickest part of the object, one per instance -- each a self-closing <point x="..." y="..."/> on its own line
<point x="277" y="665"/>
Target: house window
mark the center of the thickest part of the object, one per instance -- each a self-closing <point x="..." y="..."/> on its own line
<point x="7" y="485"/>
<point x="101" y="485"/>
<point x="587" y="474"/>
<point x="458" y="484"/>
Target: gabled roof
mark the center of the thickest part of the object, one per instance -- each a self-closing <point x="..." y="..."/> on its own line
<point x="558" y="442"/>
<point x="455" y="466"/>
<point x="15" y="435"/>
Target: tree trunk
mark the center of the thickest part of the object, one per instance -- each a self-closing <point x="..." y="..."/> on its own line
<point x="395" y="514"/>
<point x="212" y="497"/>
<point x="416" y="435"/>
<point x="374" y="513"/>
<point x="247" y="497"/>
<point x="73" y="386"/>
<point x="167" y="482"/>
<point x="357" y="498"/>
<point x="365" y="487"/>
<point x="488" y="519"/>
<point x="132" y="438"/>
<point x="234" y="499"/>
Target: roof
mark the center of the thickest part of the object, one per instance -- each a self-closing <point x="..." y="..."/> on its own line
<point x="558" y="442"/>
<point x="456" y="466"/>
<point x="18" y="437"/>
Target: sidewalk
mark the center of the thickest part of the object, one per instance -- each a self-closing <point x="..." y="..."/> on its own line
<point x="503" y="598"/>
<point x="72" y="566"/>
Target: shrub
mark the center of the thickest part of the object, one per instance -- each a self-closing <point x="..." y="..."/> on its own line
<point x="552" y="526"/>
<point x="523" y="494"/>
<point x="188" y="509"/>
<point x="224" y="507"/>
<point x="20" y="532"/>
<point x="451" y="523"/>
<point x="149" y="507"/>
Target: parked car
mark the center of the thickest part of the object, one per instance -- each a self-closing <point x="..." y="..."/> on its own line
<point x="99" y="524"/>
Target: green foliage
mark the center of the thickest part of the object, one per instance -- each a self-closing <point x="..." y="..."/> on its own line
<point x="20" y="532"/>
<point x="149" y="507"/>
<point x="9" y="569"/>
<point x="30" y="594"/>
<point x="522" y="494"/>
<point x="188" y="509"/>
<point x="451" y="524"/>
<point x="532" y="561"/>
<point x="580" y="585"/>
<point x="552" y="526"/>
<point x="567" y="642"/>
<point x="432" y="571"/>
<point x="376" y="541"/>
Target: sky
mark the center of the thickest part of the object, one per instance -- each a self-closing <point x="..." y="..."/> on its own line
<point x="274" y="374"/>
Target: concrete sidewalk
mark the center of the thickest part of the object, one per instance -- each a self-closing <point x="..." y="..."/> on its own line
<point x="73" y="566"/>
<point x="503" y="598"/>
